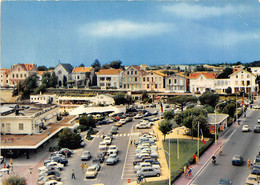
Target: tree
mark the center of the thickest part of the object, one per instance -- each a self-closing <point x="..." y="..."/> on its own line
<point x="145" y="96"/>
<point x="64" y="81"/>
<point x="116" y="64"/>
<point x="28" y="85"/>
<point x="209" y="98"/>
<point x="42" y="68"/>
<point x="230" y="109"/>
<point x="14" y="180"/>
<point x="168" y="115"/>
<point x="69" y="139"/>
<point x="182" y="100"/>
<point x="165" y="127"/>
<point x="120" y="98"/>
<point x="229" y="90"/>
<point x="88" y="121"/>
<point x="81" y="65"/>
<point x="54" y="80"/>
<point x="106" y="66"/>
<point x="41" y="88"/>
<point x="96" y="65"/>
<point x="226" y="72"/>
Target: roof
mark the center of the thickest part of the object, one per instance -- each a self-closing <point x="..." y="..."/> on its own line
<point x="5" y="70"/>
<point x="235" y="72"/>
<point x="206" y="74"/>
<point x="157" y="72"/>
<point x="236" y="69"/>
<point x="27" y="67"/>
<point x="42" y="72"/>
<point x="212" y="119"/>
<point x="81" y="69"/>
<point x="67" y="67"/>
<point x="109" y="72"/>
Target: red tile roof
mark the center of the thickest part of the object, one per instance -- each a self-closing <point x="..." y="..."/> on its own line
<point x="206" y="74"/>
<point x="81" y="69"/>
<point x="109" y="72"/>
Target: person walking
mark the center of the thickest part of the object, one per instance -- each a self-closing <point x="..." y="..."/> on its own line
<point x="85" y="166"/>
<point x="185" y="171"/>
<point x="73" y="175"/>
<point x="82" y="167"/>
<point x="248" y="163"/>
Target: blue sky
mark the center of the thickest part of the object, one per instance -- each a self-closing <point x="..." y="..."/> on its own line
<point x="152" y="33"/>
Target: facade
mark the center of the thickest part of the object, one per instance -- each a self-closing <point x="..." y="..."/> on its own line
<point x="104" y="99"/>
<point x="154" y="81"/>
<point x="200" y="82"/>
<point x="40" y="75"/>
<point x="255" y="70"/>
<point x="132" y="78"/>
<point x="19" y="72"/>
<point x="177" y="83"/>
<point x="44" y="99"/>
<point x="63" y="72"/>
<point x="82" y="76"/>
<point x="243" y="81"/>
<point x="4" y="77"/>
<point x="109" y="78"/>
<point x="28" y="119"/>
<point x="221" y="85"/>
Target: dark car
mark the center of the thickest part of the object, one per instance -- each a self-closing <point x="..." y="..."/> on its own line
<point x="65" y="151"/>
<point x="147" y="114"/>
<point x="237" y="159"/>
<point x="61" y="160"/>
<point x="153" y="105"/>
<point x="52" y="172"/>
<point x="100" y="157"/>
<point x="128" y="120"/>
<point x="225" y="182"/>
<point x="152" y="161"/>
<point x="255" y="171"/>
<point x="257" y="128"/>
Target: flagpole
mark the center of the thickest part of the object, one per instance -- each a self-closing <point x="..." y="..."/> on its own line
<point x="198" y="149"/>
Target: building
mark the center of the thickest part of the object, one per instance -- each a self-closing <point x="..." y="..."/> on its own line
<point x="63" y="72"/>
<point x="19" y="72"/>
<point x="109" y="78"/>
<point x="177" y="83"/>
<point x="222" y="85"/>
<point x="4" y="78"/>
<point x="27" y="119"/>
<point x="255" y="70"/>
<point x="132" y="78"/>
<point x="201" y="82"/>
<point x="82" y="77"/>
<point x="40" y="75"/>
<point x="153" y="81"/>
<point x="217" y="120"/>
<point x="103" y="99"/>
<point x="242" y="81"/>
<point x="44" y="99"/>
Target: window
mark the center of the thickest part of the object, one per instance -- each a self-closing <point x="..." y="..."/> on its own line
<point x="136" y="72"/>
<point x="78" y="76"/>
<point x="170" y="81"/>
<point x="24" y="75"/>
<point x="144" y="79"/>
<point x="147" y="86"/>
<point x="20" y="126"/>
<point x="152" y="79"/>
<point x="248" y="76"/>
<point x="16" y="75"/>
<point x="7" y="76"/>
<point x="175" y="81"/>
<point x="13" y="75"/>
<point x="243" y="83"/>
<point x="128" y="72"/>
<point x="236" y="76"/>
<point x="135" y="79"/>
<point x="147" y="79"/>
<point x="3" y="125"/>
<point x="132" y="72"/>
<point x="21" y="75"/>
<point x="155" y="86"/>
<point x="242" y="76"/>
<point x="247" y="82"/>
<point x="124" y="86"/>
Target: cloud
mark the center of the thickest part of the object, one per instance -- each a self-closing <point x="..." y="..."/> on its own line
<point x="189" y="11"/>
<point x="123" y="29"/>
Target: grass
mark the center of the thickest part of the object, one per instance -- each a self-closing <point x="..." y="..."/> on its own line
<point x="187" y="148"/>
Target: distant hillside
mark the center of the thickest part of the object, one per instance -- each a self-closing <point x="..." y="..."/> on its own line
<point x="253" y="64"/>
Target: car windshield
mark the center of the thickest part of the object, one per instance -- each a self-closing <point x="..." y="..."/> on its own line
<point x="92" y="169"/>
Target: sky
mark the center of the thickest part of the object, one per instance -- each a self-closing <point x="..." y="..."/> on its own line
<point x="134" y="32"/>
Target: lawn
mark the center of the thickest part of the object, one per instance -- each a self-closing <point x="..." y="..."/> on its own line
<point x="186" y="149"/>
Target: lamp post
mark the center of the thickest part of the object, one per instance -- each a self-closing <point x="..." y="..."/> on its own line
<point x="178" y="149"/>
<point x="216" y="122"/>
<point x="169" y="165"/>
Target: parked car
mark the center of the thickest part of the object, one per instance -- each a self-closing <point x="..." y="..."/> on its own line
<point x="112" y="159"/>
<point x="224" y="182"/>
<point x="147" y="114"/>
<point x="138" y="116"/>
<point x="152" y="161"/>
<point x="144" y="164"/>
<point x="141" y="159"/>
<point x="107" y="140"/>
<point x="96" y="163"/>
<point x="86" y="155"/>
<point x="61" y="160"/>
<point x="53" y="182"/>
<point x="237" y="159"/>
<point x="129" y="119"/>
<point x="50" y="172"/>
<point x="112" y="149"/>
<point x="153" y="105"/>
<point x="245" y="128"/>
<point x="258" y="120"/>
<point x="1" y="159"/>
<point x="148" y="172"/>
<point x="252" y="179"/>
<point x="257" y="128"/>
<point x="66" y="151"/>
<point x="54" y="166"/>
<point x="43" y="179"/>
<point x="113" y="130"/>
<point x="91" y="172"/>
<point x="143" y="125"/>
<point x="42" y="169"/>
<point x="255" y="171"/>
<point x="140" y="155"/>
<point x="102" y="145"/>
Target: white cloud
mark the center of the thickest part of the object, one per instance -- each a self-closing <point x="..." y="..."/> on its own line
<point x="123" y="29"/>
<point x="195" y="11"/>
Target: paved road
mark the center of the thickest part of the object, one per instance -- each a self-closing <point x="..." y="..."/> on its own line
<point x="237" y="143"/>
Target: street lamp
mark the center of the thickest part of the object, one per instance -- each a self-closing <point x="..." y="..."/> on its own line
<point x="178" y="149"/>
<point x="216" y="122"/>
<point x="169" y="155"/>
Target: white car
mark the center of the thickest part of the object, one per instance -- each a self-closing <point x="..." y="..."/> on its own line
<point x="42" y="169"/>
<point x="258" y="121"/>
<point x="144" y="164"/>
<point x="245" y="128"/>
<point x="138" y="116"/>
<point x="102" y="146"/>
<point x="143" y="125"/>
<point x="91" y="172"/>
<point x="54" y="166"/>
<point x="113" y="149"/>
<point x="107" y="140"/>
<point x="53" y="182"/>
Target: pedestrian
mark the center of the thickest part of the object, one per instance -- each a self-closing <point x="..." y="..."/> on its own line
<point x="131" y="142"/>
<point x="190" y="172"/>
<point x="73" y="175"/>
<point x="248" y="163"/>
<point x="185" y="171"/>
<point x="197" y="159"/>
<point x="194" y="158"/>
<point x="134" y="142"/>
<point x="103" y="135"/>
<point x="85" y="166"/>
<point x="82" y="167"/>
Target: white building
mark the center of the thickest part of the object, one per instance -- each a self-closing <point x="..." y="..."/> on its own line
<point x="176" y="83"/>
<point x="109" y="78"/>
<point x="255" y="70"/>
<point x="200" y="82"/>
<point x="242" y="81"/>
<point x="221" y="85"/>
<point x="44" y="99"/>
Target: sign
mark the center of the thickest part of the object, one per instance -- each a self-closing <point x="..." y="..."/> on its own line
<point x="222" y="127"/>
<point x="212" y="129"/>
<point x="129" y="180"/>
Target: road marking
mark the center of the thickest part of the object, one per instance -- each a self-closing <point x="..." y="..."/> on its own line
<point x="120" y="135"/>
<point x="97" y="136"/>
<point x="124" y="134"/>
<point x="128" y="134"/>
<point x="116" y="135"/>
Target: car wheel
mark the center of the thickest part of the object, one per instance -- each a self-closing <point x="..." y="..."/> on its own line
<point x="60" y="169"/>
<point x="134" y="163"/>
<point x="158" y="175"/>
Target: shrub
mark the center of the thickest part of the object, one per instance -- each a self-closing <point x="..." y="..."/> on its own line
<point x="82" y="128"/>
<point x="15" y="180"/>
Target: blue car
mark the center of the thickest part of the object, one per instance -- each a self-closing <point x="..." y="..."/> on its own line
<point x="224" y="182"/>
<point x="237" y="160"/>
